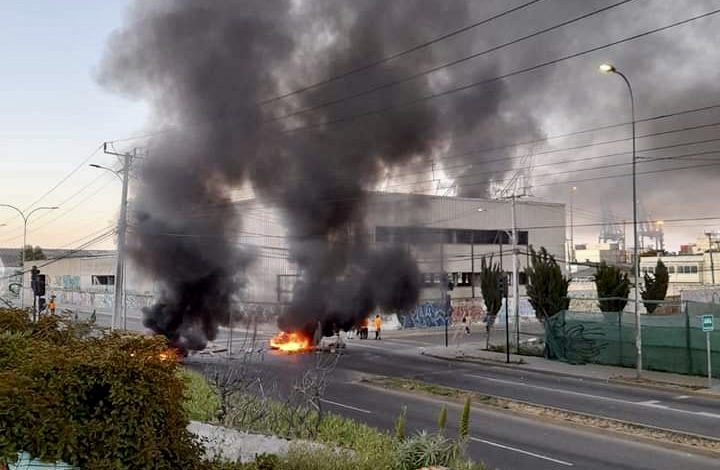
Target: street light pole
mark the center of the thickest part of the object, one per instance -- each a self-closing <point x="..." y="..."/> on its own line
<point x="25" y="218"/>
<point x="608" y="68"/>
<point x="572" y="224"/>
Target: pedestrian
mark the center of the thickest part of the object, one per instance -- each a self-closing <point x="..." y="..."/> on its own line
<point x="377" y="323"/>
<point x="466" y="324"/>
<point x="364" y="323"/>
<point x="318" y="335"/>
<point x="52" y="306"/>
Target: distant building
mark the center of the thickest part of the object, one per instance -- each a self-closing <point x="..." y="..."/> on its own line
<point x="441" y="232"/>
<point x="686" y="271"/>
<point x="610" y="253"/>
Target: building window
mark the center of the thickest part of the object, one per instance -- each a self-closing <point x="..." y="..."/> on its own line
<point x="693" y="269"/>
<point x="99" y="280"/>
<point x="429" y="235"/>
<point x="671" y="269"/>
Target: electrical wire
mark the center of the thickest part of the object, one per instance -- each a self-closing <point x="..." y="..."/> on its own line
<point x="450" y="91"/>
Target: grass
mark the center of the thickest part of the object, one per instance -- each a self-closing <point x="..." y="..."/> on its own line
<point x="201" y="401"/>
<point x="525" y="349"/>
<point x="347" y="444"/>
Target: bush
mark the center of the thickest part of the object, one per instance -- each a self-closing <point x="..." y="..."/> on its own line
<point x="424" y="450"/>
<point x="201" y="402"/>
<point x="100" y="403"/>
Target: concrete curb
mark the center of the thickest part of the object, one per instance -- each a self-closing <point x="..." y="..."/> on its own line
<point x="652" y="385"/>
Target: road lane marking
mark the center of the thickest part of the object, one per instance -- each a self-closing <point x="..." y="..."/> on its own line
<point x="345" y="406"/>
<point x="551" y="389"/>
<point x="681" y="397"/>
<point x="520" y="451"/>
<point x="647" y="403"/>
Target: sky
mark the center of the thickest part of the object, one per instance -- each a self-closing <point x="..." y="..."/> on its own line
<point x="55" y="114"/>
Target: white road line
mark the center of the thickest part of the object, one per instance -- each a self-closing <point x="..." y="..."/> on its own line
<point x="681" y="397"/>
<point x="345" y="406"/>
<point x="647" y="403"/>
<point x="551" y="389"/>
<point x="520" y="451"/>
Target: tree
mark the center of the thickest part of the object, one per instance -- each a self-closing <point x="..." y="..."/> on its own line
<point x="490" y="275"/>
<point x="547" y="288"/>
<point x="655" y="287"/>
<point x="32" y="254"/>
<point x="613" y="288"/>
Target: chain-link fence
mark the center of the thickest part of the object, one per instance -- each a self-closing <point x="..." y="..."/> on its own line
<point x="671" y="343"/>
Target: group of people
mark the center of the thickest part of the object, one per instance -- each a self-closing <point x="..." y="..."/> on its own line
<point x="362" y="328"/>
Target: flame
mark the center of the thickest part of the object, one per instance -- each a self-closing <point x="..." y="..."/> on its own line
<point x="168" y="354"/>
<point x="290" y="342"/>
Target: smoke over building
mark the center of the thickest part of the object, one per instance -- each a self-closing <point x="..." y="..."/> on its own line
<point x="209" y="72"/>
<point x="206" y="68"/>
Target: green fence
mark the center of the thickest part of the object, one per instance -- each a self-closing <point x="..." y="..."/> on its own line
<point x="671" y="343"/>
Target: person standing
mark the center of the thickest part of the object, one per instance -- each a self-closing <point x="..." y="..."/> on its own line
<point x="52" y="306"/>
<point x="364" y="324"/>
<point x="377" y="323"/>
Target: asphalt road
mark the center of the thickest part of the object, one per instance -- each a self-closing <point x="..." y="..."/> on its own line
<point x="398" y="356"/>
<point x="500" y="440"/>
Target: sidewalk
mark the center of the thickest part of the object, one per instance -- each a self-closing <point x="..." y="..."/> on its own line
<point x="473" y="352"/>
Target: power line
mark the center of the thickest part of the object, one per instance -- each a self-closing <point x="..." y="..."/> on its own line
<point x="100" y="238"/>
<point x="396" y="55"/>
<point x="446" y="65"/>
<point x="488" y="81"/>
<point x="64" y="179"/>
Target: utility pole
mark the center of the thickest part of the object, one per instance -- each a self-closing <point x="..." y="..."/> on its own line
<point x="712" y="263"/>
<point x="515" y="275"/>
<point x="472" y="265"/>
<point x="124" y="175"/>
<point x="443" y="288"/>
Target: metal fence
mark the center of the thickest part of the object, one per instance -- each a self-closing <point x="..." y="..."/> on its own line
<point x="670" y="343"/>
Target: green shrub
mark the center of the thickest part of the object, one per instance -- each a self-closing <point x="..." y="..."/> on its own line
<point x="400" y="425"/>
<point x="100" y="403"/>
<point x="442" y="419"/>
<point x="15" y="320"/>
<point x="423" y="450"/>
<point x="302" y="457"/>
<point x="201" y="401"/>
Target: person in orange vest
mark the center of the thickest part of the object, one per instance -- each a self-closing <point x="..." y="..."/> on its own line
<point x="52" y="306"/>
<point x="377" y="323"/>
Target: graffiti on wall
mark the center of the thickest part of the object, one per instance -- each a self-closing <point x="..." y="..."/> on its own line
<point x="424" y="315"/>
<point x="472" y="309"/>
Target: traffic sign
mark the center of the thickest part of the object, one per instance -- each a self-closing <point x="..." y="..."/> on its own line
<point x="707" y="323"/>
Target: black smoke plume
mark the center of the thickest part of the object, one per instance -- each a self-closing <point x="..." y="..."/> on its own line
<point x="206" y="67"/>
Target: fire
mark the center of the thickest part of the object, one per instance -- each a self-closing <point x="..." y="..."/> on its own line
<point x="290" y="342"/>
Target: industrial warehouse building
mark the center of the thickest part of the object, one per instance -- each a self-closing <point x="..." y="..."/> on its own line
<point x="447" y="235"/>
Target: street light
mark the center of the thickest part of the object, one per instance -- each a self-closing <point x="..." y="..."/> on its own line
<point x="25" y="218"/>
<point x="572" y="224"/>
<point x="609" y="68"/>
